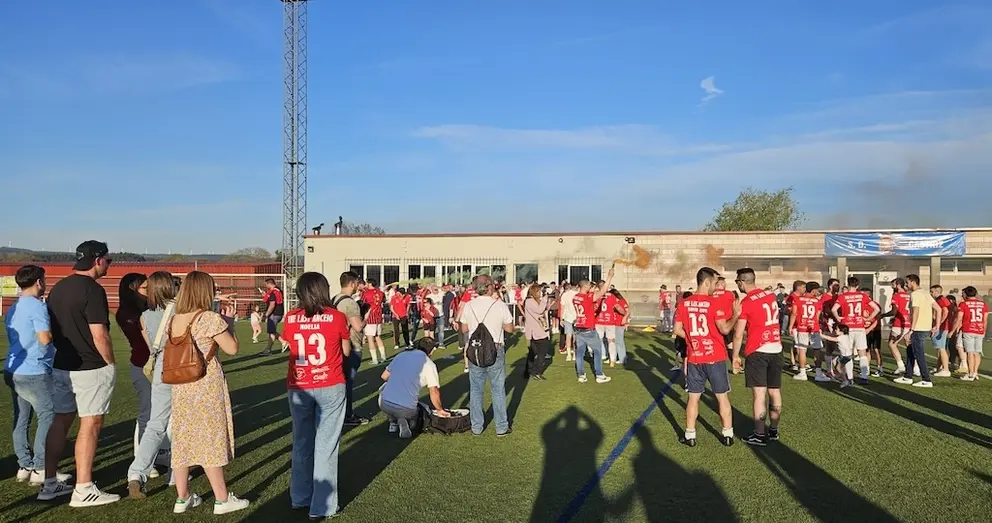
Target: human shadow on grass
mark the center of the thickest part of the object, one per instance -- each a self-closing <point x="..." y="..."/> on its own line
<point x="948" y="409"/>
<point x="824" y="496"/>
<point x="878" y="400"/>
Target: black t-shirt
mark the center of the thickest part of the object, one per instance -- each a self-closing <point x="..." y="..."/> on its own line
<point x="75" y="303"/>
<point x="275" y="296"/>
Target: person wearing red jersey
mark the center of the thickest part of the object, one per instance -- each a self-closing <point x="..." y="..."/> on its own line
<point x="856" y="310"/>
<point x="621" y="320"/>
<point x="939" y="338"/>
<point x="319" y="340"/>
<point x="726" y="300"/>
<point x="585" y="302"/>
<point x="399" y="305"/>
<point x="703" y="322"/>
<point x="374" y="299"/>
<point x="827" y="326"/>
<point x="606" y="321"/>
<point x="798" y="288"/>
<point x="899" y="325"/>
<point x="759" y="317"/>
<point x="804" y="323"/>
<point x="274" y="310"/>
<point x="428" y="317"/>
<point x="972" y="321"/>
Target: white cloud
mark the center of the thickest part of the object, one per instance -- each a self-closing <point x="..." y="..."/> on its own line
<point x="709" y="85"/>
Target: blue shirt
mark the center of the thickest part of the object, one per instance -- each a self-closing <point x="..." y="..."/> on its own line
<point x="27" y="356"/>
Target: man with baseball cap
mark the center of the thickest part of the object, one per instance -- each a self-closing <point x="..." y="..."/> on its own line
<point x="83" y="373"/>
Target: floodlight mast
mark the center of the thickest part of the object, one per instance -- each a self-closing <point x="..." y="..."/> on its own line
<point x="294" y="216"/>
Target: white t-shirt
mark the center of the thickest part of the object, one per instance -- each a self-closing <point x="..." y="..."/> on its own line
<point x="475" y="312"/>
<point x="256" y="317"/>
<point x="409" y="371"/>
<point x="567" y="306"/>
<point x="844" y="344"/>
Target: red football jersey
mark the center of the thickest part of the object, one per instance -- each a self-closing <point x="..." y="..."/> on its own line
<point x="900" y="303"/>
<point x="808" y="310"/>
<point x="944" y="303"/>
<point x="585" y="311"/>
<point x="698" y="315"/>
<point x="760" y="309"/>
<point x="664" y="300"/>
<point x="974" y="311"/>
<point x="398" y="304"/>
<point x="725" y="299"/>
<point x="607" y="310"/>
<point x="622" y="319"/>
<point x="428" y="314"/>
<point x="374" y="298"/>
<point x="853" y="307"/>
<point x="315" y="357"/>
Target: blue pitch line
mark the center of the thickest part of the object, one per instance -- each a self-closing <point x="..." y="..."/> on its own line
<point x="583" y="495"/>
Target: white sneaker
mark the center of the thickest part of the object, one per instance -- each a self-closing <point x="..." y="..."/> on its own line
<point x="902" y="380"/>
<point x="924" y="385"/>
<point x="182" y="505"/>
<point x="603" y="379"/>
<point x="91" y="496"/>
<point x="845" y="384"/>
<point x="967" y="377"/>
<point x="943" y="374"/>
<point x="233" y="504"/>
<point x="901" y="368"/>
<point x="38" y="478"/>
<point x="801" y="376"/>
<point x="822" y="378"/>
<point x="154" y="473"/>
<point x="59" y="488"/>
<point x="582" y="378"/>
<point x="962" y="370"/>
<point x="393" y="427"/>
<point x="405" y="432"/>
<point x="676" y="367"/>
<point x="24" y="474"/>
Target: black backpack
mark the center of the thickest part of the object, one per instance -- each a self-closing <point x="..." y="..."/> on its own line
<point x="481" y="350"/>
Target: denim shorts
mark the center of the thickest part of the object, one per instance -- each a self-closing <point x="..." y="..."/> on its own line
<point x="569" y="327"/>
<point x="272" y="324"/>
<point x="939" y="340"/>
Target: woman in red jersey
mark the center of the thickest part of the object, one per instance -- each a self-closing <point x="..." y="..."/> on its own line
<point x="319" y="343"/>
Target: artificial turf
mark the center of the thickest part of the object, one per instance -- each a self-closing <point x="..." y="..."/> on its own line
<point x="880" y="452"/>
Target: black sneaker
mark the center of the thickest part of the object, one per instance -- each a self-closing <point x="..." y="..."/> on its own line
<point x="356" y="421"/>
<point x="772" y="434"/>
<point x="758" y="440"/>
<point x="504" y="434"/>
<point x="265" y="352"/>
<point x="727" y="441"/>
<point x="689" y="442"/>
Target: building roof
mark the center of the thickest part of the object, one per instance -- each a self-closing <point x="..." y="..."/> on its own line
<point x="640" y="233"/>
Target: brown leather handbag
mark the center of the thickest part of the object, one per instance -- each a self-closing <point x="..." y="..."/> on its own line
<point x="182" y="361"/>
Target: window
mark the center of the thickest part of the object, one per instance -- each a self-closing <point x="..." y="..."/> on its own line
<point x="391" y="274"/>
<point x="577" y="273"/>
<point x="483" y="269"/>
<point x="374" y="272"/>
<point x="358" y="269"/>
<point x="972" y="265"/>
<point x="430" y="271"/>
<point x="525" y="273"/>
<point x="413" y="272"/>
<point x="596" y="273"/>
<point x="499" y="273"/>
<point x="562" y="273"/>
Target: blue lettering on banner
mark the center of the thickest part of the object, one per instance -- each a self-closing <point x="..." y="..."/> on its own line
<point x="895" y="244"/>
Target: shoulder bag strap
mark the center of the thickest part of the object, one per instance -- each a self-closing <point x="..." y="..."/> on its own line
<point x="163" y="325"/>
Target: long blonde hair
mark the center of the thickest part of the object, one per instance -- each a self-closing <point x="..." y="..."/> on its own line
<point x="196" y="293"/>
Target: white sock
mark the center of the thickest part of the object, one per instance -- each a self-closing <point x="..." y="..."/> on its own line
<point x="690" y="434"/>
<point x="849" y="369"/>
<point x="728" y="432"/>
<point x="613" y="350"/>
<point x="865" y="366"/>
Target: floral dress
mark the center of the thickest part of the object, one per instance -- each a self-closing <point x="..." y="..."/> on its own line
<point x="202" y="424"/>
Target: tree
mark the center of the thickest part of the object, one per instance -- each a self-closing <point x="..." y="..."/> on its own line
<point x="755" y="210"/>
<point x="361" y="229"/>
<point x="249" y="254"/>
<point x="175" y="258"/>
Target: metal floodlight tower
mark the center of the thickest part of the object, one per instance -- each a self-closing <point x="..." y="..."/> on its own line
<point x="294" y="195"/>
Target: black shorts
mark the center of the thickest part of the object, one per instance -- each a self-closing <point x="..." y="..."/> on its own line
<point x="430" y="326"/>
<point x="680" y="346"/>
<point x="763" y="370"/>
<point x="875" y="339"/>
<point x="697" y="374"/>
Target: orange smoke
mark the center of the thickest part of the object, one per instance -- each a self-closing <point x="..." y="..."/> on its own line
<point x="714" y="256"/>
<point x="642" y="258"/>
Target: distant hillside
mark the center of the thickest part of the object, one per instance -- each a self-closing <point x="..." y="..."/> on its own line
<point x="14" y="254"/>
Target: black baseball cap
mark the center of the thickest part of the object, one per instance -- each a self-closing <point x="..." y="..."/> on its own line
<point x="87" y="254"/>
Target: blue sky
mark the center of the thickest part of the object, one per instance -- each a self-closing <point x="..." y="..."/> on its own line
<point x="158" y="126"/>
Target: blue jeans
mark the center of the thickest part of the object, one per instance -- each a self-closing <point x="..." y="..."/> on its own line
<point x="588" y="338"/>
<point x="915" y="354"/>
<point x="351" y="365"/>
<point x="439" y="331"/>
<point x="318" y="417"/>
<point x="621" y="344"/>
<point x="156" y="434"/>
<point x="477" y="376"/>
<point x="31" y="394"/>
<point x="414" y="324"/>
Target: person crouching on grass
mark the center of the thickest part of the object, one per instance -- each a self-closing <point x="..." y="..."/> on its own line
<point x="703" y="322"/>
<point x="410" y="371"/>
